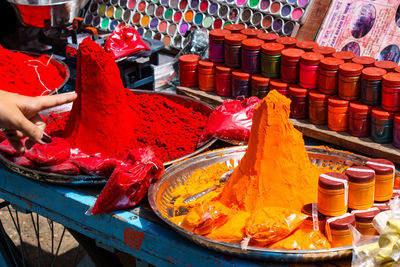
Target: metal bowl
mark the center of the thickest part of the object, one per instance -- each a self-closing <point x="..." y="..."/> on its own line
<point x="159" y="197"/>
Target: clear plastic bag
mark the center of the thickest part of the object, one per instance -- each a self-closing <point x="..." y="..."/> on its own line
<point x="50" y="154"/>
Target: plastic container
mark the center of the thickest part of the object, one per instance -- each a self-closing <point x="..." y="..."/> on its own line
<point x="234" y="28"/>
<point x="347" y="56"/>
<point x="223" y="81"/>
<point x="387" y="65"/>
<point x="328" y="75"/>
<point x="308" y="74"/>
<point x="349" y="81"/>
<point x="271" y="59"/>
<point x="326" y="51"/>
<point x="251" y="55"/>
<point x="364" y="220"/>
<point x="259" y="86"/>
<point x="381" y="126"/>
<point x="365" y="61"/>
<point x="279" y="86"/>
<point x="338" y="114"/>
<point x="359" y="119"/>
<point x="338" y="232"/>
<point x="290" y="61"/>
<point x="268" y="37"/>
<point x="216" y="45"/>
<point x="206" y="76"/>
<point x="240" y="84"/>
<point x="317" y="108"/>
<point x="396" y="131"/>
<point x="188" y="67"/>
<point x="384" y="178"/>
<point x="299" y="104"/>
<point x="332" y="194"/>
<point x="288" y="42"/>
<point x="307" y="46"/>
<point x="391" y="91"/>
<point x="371" y="85"/>
<point x="250" y="33"/>
<point x="308" y="222"/>
<point x="233" y="47"/>
<point x="361" y="187"/>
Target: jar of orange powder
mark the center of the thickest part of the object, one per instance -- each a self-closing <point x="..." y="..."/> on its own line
<point x="338" y="114"/>
<point x="338" y="232"/>
<point x="349" y="81"/>
<point x="317" y="108"/>
<point x="333" y="191"/>
<point x="384" y="178"/>
<point x="361" y="187"/>
<point x="206" y="75"/>
<point x="364" y="220"/>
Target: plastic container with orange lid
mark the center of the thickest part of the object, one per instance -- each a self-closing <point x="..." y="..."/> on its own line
<point x="251" y="33"/>
<point x="259" y="86"/>
<point x="349" y="81"/>
<point x="234" y="28"/>
<point x="364" y="220"/>
<point x="371" y="85"/>
<point x="347" y="56"/>
<point x="290" y="61"/>
<point x="338" y="114"/>
<point x="288" y="42"/>
<point x="381" y="126"/>
<point x="326" y="51"/>
<point x="384" y="178"/>
<point x="299" y="104"/>
<point x="241" y="84"/>
<point x="271" y="59"/>
<point x="317" y="107"/>
<point x="387" y="65"/>
<point x="337" y="230"/>
<point x="206" y="75"/>
<point x="391" y="91"/>
<point x="328" y="75"/>
<point x="251" y="57"/>
<point x="364" y="60"/>
<point x="268" y="37"/>
<point x="359" y="119"/>
<point x="188" y="66"/>
<point x="279" y="86"/>
<point x="333" y="193"/>
<point x="320" y="219"/>
<point x="307" y="46"/>
<point x="216" y="45"/>
<point x="361" y="187"/>
<point x="396" y="131"/>
<point x="308" y="72"/>
<point x="223" y="81"/>
<point x="233" y="47"/>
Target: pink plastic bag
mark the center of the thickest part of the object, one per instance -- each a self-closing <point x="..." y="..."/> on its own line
<point x="50" y="154"/>
<point x="124" y="41"/>
<point x="231" y="121"/>
<point x="66" y="167"/>
<point x="7" y="149"/>
<point x="96" y="165"/>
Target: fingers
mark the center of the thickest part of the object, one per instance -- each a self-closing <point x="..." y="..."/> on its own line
<point x="29" y="128"/>
<point x="44" y="102"/>
<point x="14" y="141"/>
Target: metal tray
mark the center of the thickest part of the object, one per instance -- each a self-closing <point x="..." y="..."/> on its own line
<point x="159" y="196"/>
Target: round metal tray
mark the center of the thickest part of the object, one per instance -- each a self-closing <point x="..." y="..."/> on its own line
<point x="159" y="197"/>
<point x="93" y="180"/>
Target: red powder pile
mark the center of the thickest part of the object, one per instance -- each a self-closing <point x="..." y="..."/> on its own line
<point x="21" y="73"/>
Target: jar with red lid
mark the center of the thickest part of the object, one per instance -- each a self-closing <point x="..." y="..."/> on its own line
<point x="317" y="108"/>
<point x="279" y="86"/>
<point x="271" y="59"/>
<point x="347" y="56"/>
<point x="338" y="231"/>
<point x="240" y="84"/>
<point x="371" y="85"/>
<point x="259" y="86"/>
<point x="326" y="51"/>
<point x="361" y="187"/>
<point x="234" y="28"/>
<point x="307" y="46"/>
<point x="332" y="193"/>
<point x="359" y="119"/>
<point x="364" y="60"/>
<point x="188" y="66"/>
<point x="309" y="210"/>
<point x="349" y="81"/>
<point x="328" y="72"/>
<point x="288" y="42"/>
<point x="364" y="220"/>
<point x="223" y="81"/>
<point x="384" y="178"/>
<point x="290" y="65"/>
<point x="250" y="33"/>
<point x="299" y="104"/>
<point x="391" y="91"/>
<point x="308" y="74"/>
<point x="381" y="126"/>
<point x="268" y="37"/>
<point x="216" y="45"/>
<point x="387" y="65"/>
<point x="206" y="75"/>
<point x="396" y="131"/>
<point x="233" y="47"/>
<point x="251" y="57"/>
<point x="338" y="114"/>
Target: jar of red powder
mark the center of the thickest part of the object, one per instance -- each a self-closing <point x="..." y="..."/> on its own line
<point x="188" y="65"/>
<point x="381" y="126"/>
<point x="240" y="84"/>
<point x="365" y="61"/>
<point x="317" y="108"/>
<point x="308" y="222"/>
<point x="396" y="131"/>
<point x="206" y="76"/>
<point x="326" y="51"/>
<point x="338" y="232"/>
<point x="387" y="65"/>
<point x="250" y="33"/>
<point x="328" y="75"/>
<point x="308" y="74"/>
<point x="288" y="42"/>
<point x="332" y="193"/>
<point x="338" y="114"/>
<point x="349" y="81"/>
<point x="361" y="187"/>
<point x="279" y="86"/>
<point x="307" y="46"/>
<point x="216" y="45"/>
<point x="234" y="28"/>
<point x="364" y="220"/>
<point x="347" y="56"/>
<point x="371" y="85"/>
<point x="251" y="57"/>
<point x="299" y="104"/>
<point x="271" y="59"/>
<point x="391" y="91"/>
<point x="233" y="47"/>
<point x="223" y="81"/>
<point x="259" y="86"/>
<point x="290" y="65"/>
<point x="359" y="119"/>
<point x="268" y="37"/>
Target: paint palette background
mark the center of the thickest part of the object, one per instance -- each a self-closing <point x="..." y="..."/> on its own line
<point x="169" y="20"/>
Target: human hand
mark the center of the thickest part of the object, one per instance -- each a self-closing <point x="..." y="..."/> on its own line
<point x="19" y="116"/>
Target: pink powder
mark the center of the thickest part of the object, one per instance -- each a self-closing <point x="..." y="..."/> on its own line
<point x="297" y="13"/>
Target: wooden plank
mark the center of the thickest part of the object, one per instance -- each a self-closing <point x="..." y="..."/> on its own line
<point x="209" y="97"/>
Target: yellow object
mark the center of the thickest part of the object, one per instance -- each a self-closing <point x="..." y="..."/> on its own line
<point x="340" y="238"/>
<point x="331" y="202"/>
<point x="110" y="11"/>
<point x="145" y="21"/>
<point x="303" y="238"/>
<point x="361" y="195"/>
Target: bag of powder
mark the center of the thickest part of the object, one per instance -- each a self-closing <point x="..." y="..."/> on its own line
<point x="50" y="154"/>
<point x="96" y="165"/>
<point x="129" y="183"/>
<point x="66" y="167"/>
<point x="7" y="149"/>
<point x="24" y="162"/>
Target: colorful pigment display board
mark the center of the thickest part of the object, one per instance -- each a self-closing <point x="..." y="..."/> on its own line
<point x="169" y="20"/>
<point x="367" y="28"/>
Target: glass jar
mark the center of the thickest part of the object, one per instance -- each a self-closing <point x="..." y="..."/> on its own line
<point x="271" y="60"/>
<point x="307" y="46"/>
<point x="299" y="104"/>
<point x="365" y="61"/>
<point x="361" y="187"/>
<point x="251" y="33"/>
<point x="326" y="51"/>
<point x="290" y="65"/>
<point x="332" y="194"/>
<point x="233" y="47"/>
<point x="371" y="85"/>
<point x="391" y="91"/>
<point x="338" y="114"/>
<point x="364" y="220"/>
<point x="381" y="126"/>
<point x="251" y="57"/>
<point x="349" y="81"/>
<point x="240" y="84"/>
<point x="359" y="119"/>
<point x="206" y="76"/>
<point x="308" y="209"/>
<point x="384" y="178"/>
<point x="267" y="37"/>
<point x="216" y="45"/>
<point x="338" y="232"/>
<point x="308" y="74"/>
<point x="279" y="86"/>
<point x="347" y="56"/>
<point x="317" y="108"/>
<point x="234" y="28"/>
<point x="188" y="67"/>
<point x="387" y="65"/>
<point x="259" y="86"/>
<point x="328" y="75"/>
<point x="223" y="80"/>
<point x="288" y="42"/>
